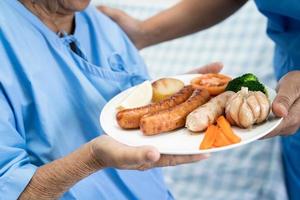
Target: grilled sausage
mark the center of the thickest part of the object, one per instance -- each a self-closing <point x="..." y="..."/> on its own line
<point x="130" y="118"/>
<point x="172" y="118"/>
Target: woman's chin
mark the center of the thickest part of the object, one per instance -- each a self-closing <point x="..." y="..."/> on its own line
<point x="75" y="5"/>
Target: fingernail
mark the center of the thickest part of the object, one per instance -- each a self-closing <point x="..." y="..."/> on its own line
<point x="283" y="110"/>
<point x="151" y="156"/>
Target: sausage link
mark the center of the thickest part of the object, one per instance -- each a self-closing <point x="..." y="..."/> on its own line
<point x="207" y="114"/>
<point x="173" y="118"/>
<point x="130" y="118"/>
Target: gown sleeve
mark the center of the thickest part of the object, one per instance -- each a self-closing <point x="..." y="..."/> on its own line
<point x="15" y="167"/>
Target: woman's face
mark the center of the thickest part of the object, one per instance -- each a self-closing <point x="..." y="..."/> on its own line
<point x="64" y="6"/>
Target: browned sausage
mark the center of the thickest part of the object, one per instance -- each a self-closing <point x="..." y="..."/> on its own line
<point x="173" y="118"/>
<point x="130" y="118"/>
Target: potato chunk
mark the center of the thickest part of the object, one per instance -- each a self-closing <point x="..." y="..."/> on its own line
<point x="165" y="87"/>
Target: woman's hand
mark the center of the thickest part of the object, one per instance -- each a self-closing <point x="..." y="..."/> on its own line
<point x="287" y="104"/>
<point x="110" y="153"/>
<point x="132" y="26"/>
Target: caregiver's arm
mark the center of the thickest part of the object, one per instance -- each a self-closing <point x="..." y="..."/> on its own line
<point x="52" y="180"/>
<point x="186" y="17"/>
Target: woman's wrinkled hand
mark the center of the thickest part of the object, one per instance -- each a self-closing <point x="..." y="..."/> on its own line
<point x="287" y="104"/>
<point x="109" y="153"/>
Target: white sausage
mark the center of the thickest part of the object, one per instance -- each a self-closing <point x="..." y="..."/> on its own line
<point x="202" y="117"/>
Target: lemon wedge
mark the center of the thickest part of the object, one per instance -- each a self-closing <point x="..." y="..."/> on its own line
<point x="141" y="95"/>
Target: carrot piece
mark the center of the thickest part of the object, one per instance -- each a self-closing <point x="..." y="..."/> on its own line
<point x="227" y="130"/>
<point x="209" y="137"/>
<point x="221" y="140"/>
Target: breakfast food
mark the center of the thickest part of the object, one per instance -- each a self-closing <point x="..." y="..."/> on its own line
<point x="172" y="118"/>
<point x="240" y="102"/>
<point x="219" y="135"/>
<point x="130" y="118"/>
<point x="207" y="114"/>
<point x="140" y="96"/>
<point x="246" y="108"/>
<point x="165" y="87"/>
<point x="214" y="83"/>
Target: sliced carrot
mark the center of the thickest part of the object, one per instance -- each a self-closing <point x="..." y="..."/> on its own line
<point x="213" y="83"/>
<point x="227" y="130"/>
<point x="221" y="140"/>
<point x="209" y="137"/>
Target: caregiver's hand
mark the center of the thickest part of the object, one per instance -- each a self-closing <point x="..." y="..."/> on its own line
<point x="132" y="26"/>
<point x="287" y="104"/>
<point x="110" y="153"/>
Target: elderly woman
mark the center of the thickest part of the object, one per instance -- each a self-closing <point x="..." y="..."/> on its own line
<point x="58" y="68"/>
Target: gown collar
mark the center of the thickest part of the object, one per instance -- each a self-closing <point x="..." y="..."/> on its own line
<point x="38" y="24"/>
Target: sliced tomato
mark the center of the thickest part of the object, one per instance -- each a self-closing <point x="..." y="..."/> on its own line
<point x="214" y="83"/>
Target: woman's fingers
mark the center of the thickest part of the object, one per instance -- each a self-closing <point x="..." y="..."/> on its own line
<point x="147" y="157"/>
<point x="133" y="157"/>
<point x="111" y="153"/>
<point x="173" y="160"/>
<point x="143" y="158"/>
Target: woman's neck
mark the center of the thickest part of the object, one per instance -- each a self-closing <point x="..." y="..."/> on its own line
<point x="52" y="13"/>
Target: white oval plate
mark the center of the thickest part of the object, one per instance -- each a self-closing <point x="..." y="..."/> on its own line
<point x="181" y="141"/>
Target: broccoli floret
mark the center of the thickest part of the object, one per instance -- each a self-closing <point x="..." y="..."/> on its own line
<point x="247" y="80"/>
<point x="248" y="77"/>
<point x="234" y="85"/>
<point x="253" y="86"/>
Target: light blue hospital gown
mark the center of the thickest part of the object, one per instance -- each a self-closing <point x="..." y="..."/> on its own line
<point x="51" y="97"/>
